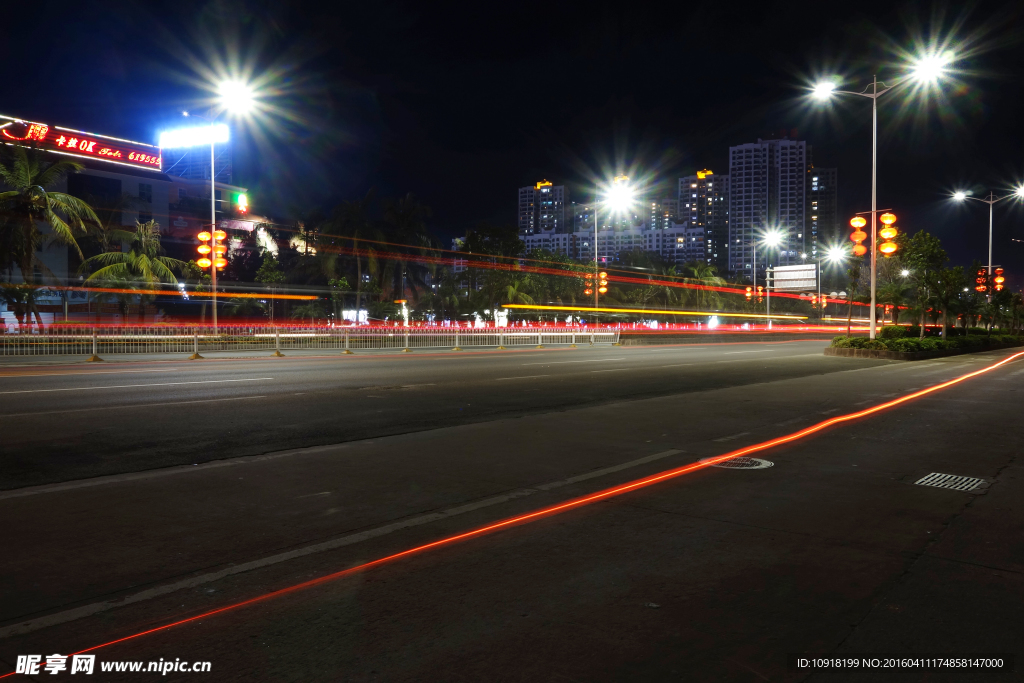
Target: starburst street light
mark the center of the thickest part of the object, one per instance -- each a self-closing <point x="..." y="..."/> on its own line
<point x="619" y="199"/>
<point x="236" y="98"/>
<point x="992" y="200"/>
<point x="930" y="68"/>
<point x="926" y="70"/>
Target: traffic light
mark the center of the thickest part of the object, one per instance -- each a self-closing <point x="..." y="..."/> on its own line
<point x="998" y="280"/>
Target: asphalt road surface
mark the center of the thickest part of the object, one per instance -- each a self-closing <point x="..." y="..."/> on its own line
<point x="717" y="575"/>
<point x="71" y="422"/>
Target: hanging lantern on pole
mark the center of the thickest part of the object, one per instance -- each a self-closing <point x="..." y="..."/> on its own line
<point x="858" y="235"/>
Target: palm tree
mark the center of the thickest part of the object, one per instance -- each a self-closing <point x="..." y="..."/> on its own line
<point x="142" y="263"/>
<point x="30" y="203"/>
<point x="705" y="274"/>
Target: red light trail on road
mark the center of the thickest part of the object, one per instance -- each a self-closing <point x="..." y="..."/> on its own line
<point x="572" y="504"/>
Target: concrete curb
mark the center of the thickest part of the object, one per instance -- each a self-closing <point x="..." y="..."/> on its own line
<point x="655" y="339"/>
<point x="910" y="355"/>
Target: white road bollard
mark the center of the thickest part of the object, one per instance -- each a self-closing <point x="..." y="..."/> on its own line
<point x="407" y="349"/>
<point x="573" y="345"/>
<point x="501" y="339"/>
<point x="277" y="344"/>
<point x="93" y="358"/>
<point x="195" y="346"/>
<point x="347" y="350"/>
<point x="540" y="340"/>
<point x="456" y="347"/>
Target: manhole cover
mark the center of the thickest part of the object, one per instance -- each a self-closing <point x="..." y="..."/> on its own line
<point x="950" y="481"/>
<point x="744" y="464"/>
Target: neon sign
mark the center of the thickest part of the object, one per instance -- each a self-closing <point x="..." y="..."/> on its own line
<point x="77" y="143"/>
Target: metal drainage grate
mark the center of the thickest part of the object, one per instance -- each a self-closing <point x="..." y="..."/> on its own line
<point x="950" y="481"/>
<point x="745" y="464"/>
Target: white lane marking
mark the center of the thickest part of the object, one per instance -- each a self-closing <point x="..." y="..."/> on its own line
<point x="129" y="386"/>
<point x="87" y="373"/>
<point x="731" y="437"/>
<point x="503" y="379"/>
<point x="340" y="542"/>
<point x="679" y="365"/>
<point x="561" y="362"/>
<point x="614" y="370"/>
<point x="729" y="353"/>
<point x="128" y="407"/>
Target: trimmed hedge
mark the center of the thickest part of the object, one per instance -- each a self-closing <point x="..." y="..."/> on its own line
<point x="896" y="342"/>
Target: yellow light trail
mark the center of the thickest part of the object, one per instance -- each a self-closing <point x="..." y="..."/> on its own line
<point x="539" y="307"/>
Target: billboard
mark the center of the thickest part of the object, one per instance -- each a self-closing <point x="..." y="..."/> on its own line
<point x="802" y="278"/>
<point x="77" y="143"/>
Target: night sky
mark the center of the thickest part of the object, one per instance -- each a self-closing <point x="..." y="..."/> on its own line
<point x="463" y="104"/>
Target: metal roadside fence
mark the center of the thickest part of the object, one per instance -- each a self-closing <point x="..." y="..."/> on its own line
<point x="97" y="341"/>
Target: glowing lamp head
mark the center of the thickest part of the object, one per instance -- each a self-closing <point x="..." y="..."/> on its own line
<point x="858" y="221"/>
<point x="888" y="248"/>
<point x="931" y="68"/>
<point x="237" y="97"/>
<point x="220" y="263"/>
<point x="602" y="290"/>
<point x="999" y="279"/>
<point x="219" y="235"/>
<point x="243" y="204"/>
<point x="904" y="273"/>
<point x="1019" y="191"/>
<point x="835" y="254"/>
<point x="204" y="249"/>
<point x="602" y="275"/>
<point x="888" y="232"/>
<point x="620" y="195"/>
<point x="772" y="238"/>
<point x="859" y="250"/>
<point x="960" y="196"/>
<point x="823" y="90"/>
<point x="204" y="236"/>
<point x="887" y="218"/>
<point x="204" y="263"/>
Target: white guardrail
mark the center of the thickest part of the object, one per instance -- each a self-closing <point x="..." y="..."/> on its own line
<point x="82" y="340"/>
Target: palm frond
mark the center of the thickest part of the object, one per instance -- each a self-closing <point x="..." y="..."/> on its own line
<point x="117" y="271"/>
<point x="74" y="208"/>
<point x="55" y="172"/>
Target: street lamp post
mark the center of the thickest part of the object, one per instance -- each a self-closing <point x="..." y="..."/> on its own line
<point x="234" y="97"/>
<point x="992" y="200"/>
<point x="927" y="69"/>
<point x="832" y="255"/>
<point x="771" y="239"/>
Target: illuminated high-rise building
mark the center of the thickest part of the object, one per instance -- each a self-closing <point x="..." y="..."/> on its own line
<point x="704" y="203"/>
<point x="768" y="192"/>
<point x="822" y="209"/>
<point x="542" y="209"/>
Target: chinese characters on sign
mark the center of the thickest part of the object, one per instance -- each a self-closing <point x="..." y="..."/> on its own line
<point x="80" y="144"/>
